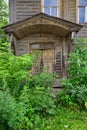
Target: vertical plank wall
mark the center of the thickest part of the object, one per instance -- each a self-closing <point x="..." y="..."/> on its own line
<point x="68" y="10"/>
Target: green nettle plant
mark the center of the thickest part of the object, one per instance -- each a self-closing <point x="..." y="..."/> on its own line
<point x="76" y="85"/>
<point x="25" y="99"/>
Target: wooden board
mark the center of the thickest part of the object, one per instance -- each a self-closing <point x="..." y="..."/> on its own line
<point x="45" y="62"/>
<point x="48" y="60"/>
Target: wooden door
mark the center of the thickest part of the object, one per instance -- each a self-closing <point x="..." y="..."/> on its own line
<point x="36" y="69"/>
<point x="48" y="60"/>
<point x="45" y="61"/>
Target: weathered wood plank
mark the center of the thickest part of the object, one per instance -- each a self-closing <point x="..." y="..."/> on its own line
<point x="21" y="9"/>
<point x="68" y="10"/>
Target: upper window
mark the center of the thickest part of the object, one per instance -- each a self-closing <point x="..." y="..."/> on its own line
<point x="50" y="7"/>
<point x="82" y="11"/>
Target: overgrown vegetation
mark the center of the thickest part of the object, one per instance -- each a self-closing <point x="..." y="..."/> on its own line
<point x="3" y="20"/>
<point x="27" y="101"/>
<point x="76" y="85"/>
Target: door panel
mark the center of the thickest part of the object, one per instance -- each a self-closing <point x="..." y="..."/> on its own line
<point x="48" y="60"/>
<point x="37" y="66"/>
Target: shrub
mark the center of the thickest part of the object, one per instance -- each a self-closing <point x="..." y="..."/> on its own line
<point x="24" y="99"/>
<point x="28" y="110"/>
<point x="76" y="85"/>
<point x="43" y="79"/>
<point x="38" y="103"/>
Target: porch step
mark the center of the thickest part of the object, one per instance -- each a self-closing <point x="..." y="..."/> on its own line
<point x="57" y="83"/>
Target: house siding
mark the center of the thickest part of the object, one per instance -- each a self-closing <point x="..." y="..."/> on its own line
<point x="68" y="10"/>
<point x="62" y="44"/>
<point x="83" y="32"/>
<point x="21" y="9"/>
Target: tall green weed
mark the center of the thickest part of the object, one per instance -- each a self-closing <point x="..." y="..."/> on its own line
<point x="76" y="85"/>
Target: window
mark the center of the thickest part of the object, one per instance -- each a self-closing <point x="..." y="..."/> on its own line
<point x="50" y="7"/>
<point x="82" y="11"/>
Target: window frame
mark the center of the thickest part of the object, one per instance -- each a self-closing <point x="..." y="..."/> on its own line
<point x="50" y="6"/>
<point x="85" y="17"/>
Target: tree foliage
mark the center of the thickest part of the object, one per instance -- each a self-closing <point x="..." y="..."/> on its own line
<point x="3" y="20"/>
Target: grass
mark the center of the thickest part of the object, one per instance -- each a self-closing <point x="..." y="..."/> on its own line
<point x="72" y="120"/>
<point x="66" y="119"/>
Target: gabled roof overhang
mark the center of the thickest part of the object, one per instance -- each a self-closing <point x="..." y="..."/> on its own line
<point x="41" y="23"/>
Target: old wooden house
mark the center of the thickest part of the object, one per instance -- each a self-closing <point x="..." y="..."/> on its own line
<point x="49" y="26"/>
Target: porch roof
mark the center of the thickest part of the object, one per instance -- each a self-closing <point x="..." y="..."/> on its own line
<point x="41" y="23"/>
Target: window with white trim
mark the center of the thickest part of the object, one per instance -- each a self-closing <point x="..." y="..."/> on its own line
<point x="50" y="7"/>
<point x="82" y="7"/>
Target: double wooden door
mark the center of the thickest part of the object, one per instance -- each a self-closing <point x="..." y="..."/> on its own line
<point x="45" y="62"/>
